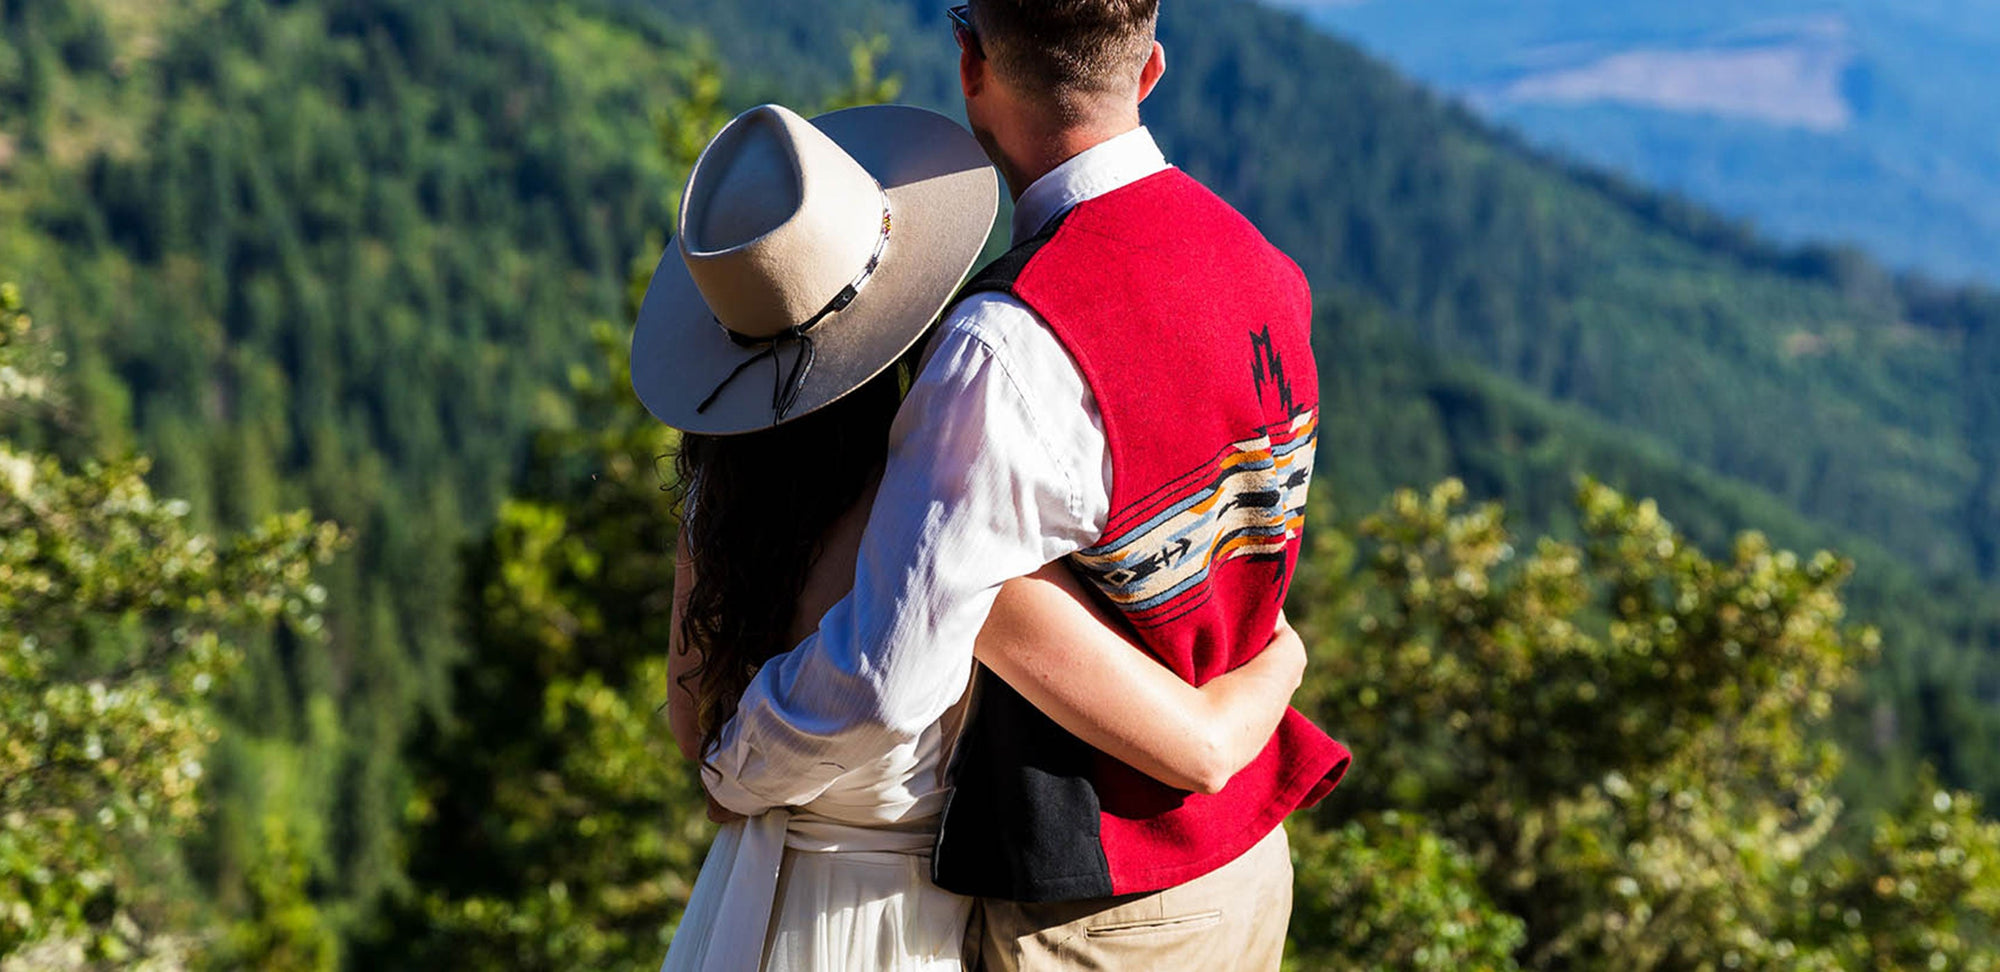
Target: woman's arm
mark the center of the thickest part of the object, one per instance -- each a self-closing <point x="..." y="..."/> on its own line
<point x="1050" y="641"/>
<point x="682" y="659"/>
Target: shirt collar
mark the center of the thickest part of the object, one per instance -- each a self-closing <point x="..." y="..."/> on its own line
<point x="1110" y="164"/>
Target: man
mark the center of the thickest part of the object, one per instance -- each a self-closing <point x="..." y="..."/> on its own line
<point x="1131" y="389"/>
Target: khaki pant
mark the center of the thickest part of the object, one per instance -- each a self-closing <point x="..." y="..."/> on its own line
<point x="1230" y="919"/>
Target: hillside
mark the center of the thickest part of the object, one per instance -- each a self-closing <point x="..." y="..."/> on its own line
<point x="343" y="254"/>
<point x="335" y="255"/>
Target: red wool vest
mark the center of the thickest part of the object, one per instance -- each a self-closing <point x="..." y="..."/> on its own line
<point x="1194" y="334"/>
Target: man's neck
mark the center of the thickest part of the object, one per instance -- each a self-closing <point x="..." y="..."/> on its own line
<point x="1037" y="154"/>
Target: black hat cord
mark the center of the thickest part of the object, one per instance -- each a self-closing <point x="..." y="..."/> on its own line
<point x="786" y="387"/>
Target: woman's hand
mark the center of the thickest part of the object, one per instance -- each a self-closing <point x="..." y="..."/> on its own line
<point x="719" y="813"/>
<point x="682" y="660"/>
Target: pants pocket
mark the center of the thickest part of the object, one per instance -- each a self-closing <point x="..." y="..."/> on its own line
<point x="1151" y="926"/>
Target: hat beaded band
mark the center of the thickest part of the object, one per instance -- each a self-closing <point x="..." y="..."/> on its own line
<point x="786" y="387"/>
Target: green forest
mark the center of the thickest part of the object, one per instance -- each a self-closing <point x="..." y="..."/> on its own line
<point x="335" y="551"/>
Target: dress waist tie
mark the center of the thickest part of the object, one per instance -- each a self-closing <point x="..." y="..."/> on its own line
<point x="746" y="857"/>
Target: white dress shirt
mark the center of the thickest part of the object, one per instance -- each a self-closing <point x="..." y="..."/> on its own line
<point x="997" y="466"/>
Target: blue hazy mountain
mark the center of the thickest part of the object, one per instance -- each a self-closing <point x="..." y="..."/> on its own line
<point x="1867" y="121"/>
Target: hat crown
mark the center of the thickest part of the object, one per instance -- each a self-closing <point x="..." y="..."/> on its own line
<point x="777" y="219"/>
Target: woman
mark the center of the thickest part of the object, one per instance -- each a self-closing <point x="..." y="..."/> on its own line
<point x="778" y="485"/>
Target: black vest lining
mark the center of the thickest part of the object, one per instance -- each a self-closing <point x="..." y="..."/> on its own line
<point x="1022" y="820"/>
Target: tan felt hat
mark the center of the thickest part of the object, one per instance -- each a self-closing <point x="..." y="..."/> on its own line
<point x="809" y="257"/>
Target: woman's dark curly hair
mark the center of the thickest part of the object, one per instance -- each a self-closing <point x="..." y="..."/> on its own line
<point x="762" y="504"/>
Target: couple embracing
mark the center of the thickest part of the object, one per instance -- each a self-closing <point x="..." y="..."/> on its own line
<point x="978" y="628"/>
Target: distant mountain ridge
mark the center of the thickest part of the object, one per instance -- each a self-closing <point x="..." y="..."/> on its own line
<point x="1783" y="74"/>
<point x="1865" y="121"/>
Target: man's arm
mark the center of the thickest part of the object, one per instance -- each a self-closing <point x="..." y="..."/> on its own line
<point x="993" y="471"/>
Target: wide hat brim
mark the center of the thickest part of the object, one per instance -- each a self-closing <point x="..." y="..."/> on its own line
<point x="943" y="196"/>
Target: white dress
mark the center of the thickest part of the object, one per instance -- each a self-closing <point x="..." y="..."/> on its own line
<point x="839" y="885"/>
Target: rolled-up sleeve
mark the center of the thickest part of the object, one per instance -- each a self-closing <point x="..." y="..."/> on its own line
<point x="996" y="467"/>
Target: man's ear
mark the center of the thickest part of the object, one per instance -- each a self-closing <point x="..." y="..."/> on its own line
<point x="971" y="73"/>
<point x="1149" y="76"/>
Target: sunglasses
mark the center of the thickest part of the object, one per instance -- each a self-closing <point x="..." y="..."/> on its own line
<point x="961" y="27"/>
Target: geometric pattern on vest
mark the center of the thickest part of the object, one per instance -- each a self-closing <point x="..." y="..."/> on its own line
<point x="1250" y="502"/>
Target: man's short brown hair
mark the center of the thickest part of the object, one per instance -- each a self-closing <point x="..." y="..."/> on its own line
<point x="1068" y="51"/>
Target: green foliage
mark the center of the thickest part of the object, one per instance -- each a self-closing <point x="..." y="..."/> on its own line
<point x="1386" y="893"/>
<point x="118" y="622"/>
<point x="1622" y="733"/>
<point x="1489" y="663"/>
<point x="283" y="928"/>
<point x="22" y="381"/>
<point x="328" y="254"/>
<point x="1923" y="887"/>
